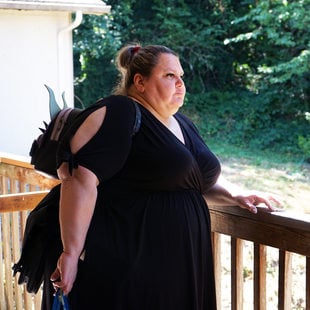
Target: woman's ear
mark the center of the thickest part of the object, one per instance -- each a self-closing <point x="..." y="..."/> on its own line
<point x="138" y="81"/>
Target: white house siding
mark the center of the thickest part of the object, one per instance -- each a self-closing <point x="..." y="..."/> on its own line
<point x="33" y="52"/>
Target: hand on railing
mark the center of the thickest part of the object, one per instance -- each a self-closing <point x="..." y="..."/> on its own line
<point x="251" y="201"/>
<point x="223" y="193"/>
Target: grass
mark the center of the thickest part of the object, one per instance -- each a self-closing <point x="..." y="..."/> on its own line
<point x="287" y="177"/>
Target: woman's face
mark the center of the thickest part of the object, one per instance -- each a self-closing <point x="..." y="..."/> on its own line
<point x="164" y="90"/>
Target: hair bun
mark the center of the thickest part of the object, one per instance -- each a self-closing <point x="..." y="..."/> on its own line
<point x="135" y="49"/>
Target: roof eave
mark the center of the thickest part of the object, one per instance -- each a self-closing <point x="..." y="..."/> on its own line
<point x="86" y="8"/>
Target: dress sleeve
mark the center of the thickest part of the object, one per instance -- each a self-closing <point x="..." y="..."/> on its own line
<point x="106" y="152"/>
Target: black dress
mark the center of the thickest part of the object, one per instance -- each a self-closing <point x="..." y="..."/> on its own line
<point x="148" y="246"/>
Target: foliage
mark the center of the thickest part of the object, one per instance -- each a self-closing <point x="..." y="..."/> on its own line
<point x="96" y="41"/>
<point x="196" y="31"/>
<point x="304" y="141"/>
<point x="243" y="120"/>
<point x="275" y="53"/>
<point x="304" y="144"/>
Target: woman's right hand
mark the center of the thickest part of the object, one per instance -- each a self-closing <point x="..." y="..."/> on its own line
<point x="65" y="273"/>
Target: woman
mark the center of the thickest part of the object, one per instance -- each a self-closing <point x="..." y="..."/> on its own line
<point x="134" y="218"/>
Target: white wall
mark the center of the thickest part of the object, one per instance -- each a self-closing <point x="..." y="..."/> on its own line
<point x="33" y="52"/>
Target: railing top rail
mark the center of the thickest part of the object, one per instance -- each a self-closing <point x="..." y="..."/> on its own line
<point x="15" y="160"/>
<point x="285" y="230"/>
<point x="279" y="216"/>
<point x="18" y="168"/>
<point x="21" y="201"/>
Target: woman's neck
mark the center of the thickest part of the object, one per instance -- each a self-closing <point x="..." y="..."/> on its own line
<point x="165" y="119"/>
<point x="169" y="121"/>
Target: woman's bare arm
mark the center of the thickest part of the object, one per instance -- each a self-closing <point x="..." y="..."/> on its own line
<point x="223" y="193"/>
<point x="77" y="202"/>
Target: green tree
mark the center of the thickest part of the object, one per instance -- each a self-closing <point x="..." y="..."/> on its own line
<point x="196" y="30"/>
<point x="95" y="44"/>
<point x="275" y="53"/>
<point x="272" y="59"/>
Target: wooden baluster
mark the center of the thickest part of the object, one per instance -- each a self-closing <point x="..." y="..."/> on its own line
<point x="2" y="281"/>
<point x="6" y="251"/>
<point x="307" y="283"/>
<point x="285" y="280"/>
<point x="236" y="274"/>
<point x="15" y="239"/>
<point x="7" y="261"/>
<point x="216" y="242"/>
<point x="260" y="264"/>
<point x="2" y="294"/>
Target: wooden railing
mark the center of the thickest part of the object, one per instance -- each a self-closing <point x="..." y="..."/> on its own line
<point x="287" y="232"/>
<point x="21" y="188"/>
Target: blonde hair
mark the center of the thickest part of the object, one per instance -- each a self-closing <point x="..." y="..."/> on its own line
<point x="133" y="59"/>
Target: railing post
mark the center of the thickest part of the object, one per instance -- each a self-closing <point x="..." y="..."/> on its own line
<point x="2" y="291"/>
<point x="17" y="187"/>
<point x="308" y="283"/>
<point x="285" y="280"/>
<point x="236" y="274"/>
<point x="216" y="243"/>
<point x="259" y="277"/>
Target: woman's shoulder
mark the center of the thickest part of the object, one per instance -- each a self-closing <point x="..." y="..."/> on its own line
<point x="115" y="112"/>
<point x="116" y="101"/>
<point x="115" y="106"/>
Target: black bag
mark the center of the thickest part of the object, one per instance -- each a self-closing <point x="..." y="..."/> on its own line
<point x="44" y="148"/>
<point x="42" y="243"/>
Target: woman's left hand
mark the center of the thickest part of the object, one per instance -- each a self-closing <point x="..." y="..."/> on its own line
<point x="251" y="201"/>
<point x="224" y="193"/>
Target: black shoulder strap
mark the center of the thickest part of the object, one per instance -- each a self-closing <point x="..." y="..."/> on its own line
<point x="137" y="124"/>
<point x="60" y="123"/>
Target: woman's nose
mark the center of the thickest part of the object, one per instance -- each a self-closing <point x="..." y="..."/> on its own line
<point x="179" y="82"/>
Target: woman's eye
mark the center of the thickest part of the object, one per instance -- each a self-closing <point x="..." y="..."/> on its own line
<point x="173" y="76"/>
